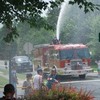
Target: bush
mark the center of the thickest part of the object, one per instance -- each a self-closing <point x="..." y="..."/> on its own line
<point x="61" y="93"/>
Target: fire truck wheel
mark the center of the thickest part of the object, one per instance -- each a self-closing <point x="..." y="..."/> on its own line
<point x="82" y="76"/>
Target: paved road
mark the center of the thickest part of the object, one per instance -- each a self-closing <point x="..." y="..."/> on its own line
<point x="93" y="85"/>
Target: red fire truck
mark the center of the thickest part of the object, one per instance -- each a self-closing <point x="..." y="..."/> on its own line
<point x="70" y="59"/>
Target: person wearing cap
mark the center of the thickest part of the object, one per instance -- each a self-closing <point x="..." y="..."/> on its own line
<point x="9" y="92"/>
<point x="27" y="85"/>
<point x="52" y="78"/>
<point x="38" y="80"/>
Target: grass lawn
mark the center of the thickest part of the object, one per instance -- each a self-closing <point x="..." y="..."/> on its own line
<point x="19" y="75"/>
<point x="3" y="81"/>
<point x="5" y="71"/>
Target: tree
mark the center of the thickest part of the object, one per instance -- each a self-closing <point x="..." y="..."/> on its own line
<point x="12" y="12"/>
<point x="52" y="17"/>
<point x="82" y="28"/>
<point x="32" y="35"/>
<point x="7" y="49"/>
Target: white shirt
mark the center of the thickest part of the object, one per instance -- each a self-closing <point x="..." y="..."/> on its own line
<point x="37" y="82"/>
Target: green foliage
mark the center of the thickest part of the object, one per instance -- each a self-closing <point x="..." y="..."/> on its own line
<point x="32" y="35"/>
<point x="93" y="42"/>
<point x="88" y="6"/>
<point x="12" y="34"/>
<point x="52" y="17"/>
<point x="77" y="28"/>
<point x="12" y="12"/>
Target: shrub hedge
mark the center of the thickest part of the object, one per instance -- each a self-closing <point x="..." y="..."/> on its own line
<point x="60" y="93"/>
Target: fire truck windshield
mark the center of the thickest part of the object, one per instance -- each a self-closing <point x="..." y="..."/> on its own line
<point x="74" y="53"/>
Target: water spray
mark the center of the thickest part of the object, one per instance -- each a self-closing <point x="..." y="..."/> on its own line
<point x="60" y="18"/>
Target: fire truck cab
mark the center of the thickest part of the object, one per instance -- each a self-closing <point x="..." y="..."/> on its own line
<point x="70" y="59"/>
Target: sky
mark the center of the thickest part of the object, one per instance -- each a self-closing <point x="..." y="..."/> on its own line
<point x="1" y="25"/>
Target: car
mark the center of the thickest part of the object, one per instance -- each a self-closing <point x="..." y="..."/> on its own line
<point x="22" y="64"/>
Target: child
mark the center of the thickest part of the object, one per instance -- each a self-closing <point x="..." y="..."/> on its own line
<point x="27" y="85"/>
<point x="9" y="92"/>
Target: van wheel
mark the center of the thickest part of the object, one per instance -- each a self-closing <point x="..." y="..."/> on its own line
<point x="82" y="76"/>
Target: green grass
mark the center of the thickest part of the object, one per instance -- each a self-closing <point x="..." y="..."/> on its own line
<point x="21" y="75"/>
<point x="4" y="71"/>
<point x="3" y="81"/>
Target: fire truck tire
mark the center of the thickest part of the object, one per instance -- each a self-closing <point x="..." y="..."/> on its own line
<point x="82" y="76"/>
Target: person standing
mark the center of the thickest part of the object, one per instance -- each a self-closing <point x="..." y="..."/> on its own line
<point x="14" y="80"/>
<point x="52" y="78"/>
<point x="27" y="85"/>
<point x="38" y="80"/>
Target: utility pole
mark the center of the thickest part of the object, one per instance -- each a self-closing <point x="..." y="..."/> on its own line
<point x="9" y="50"/>
<point x="9" y="70"/>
